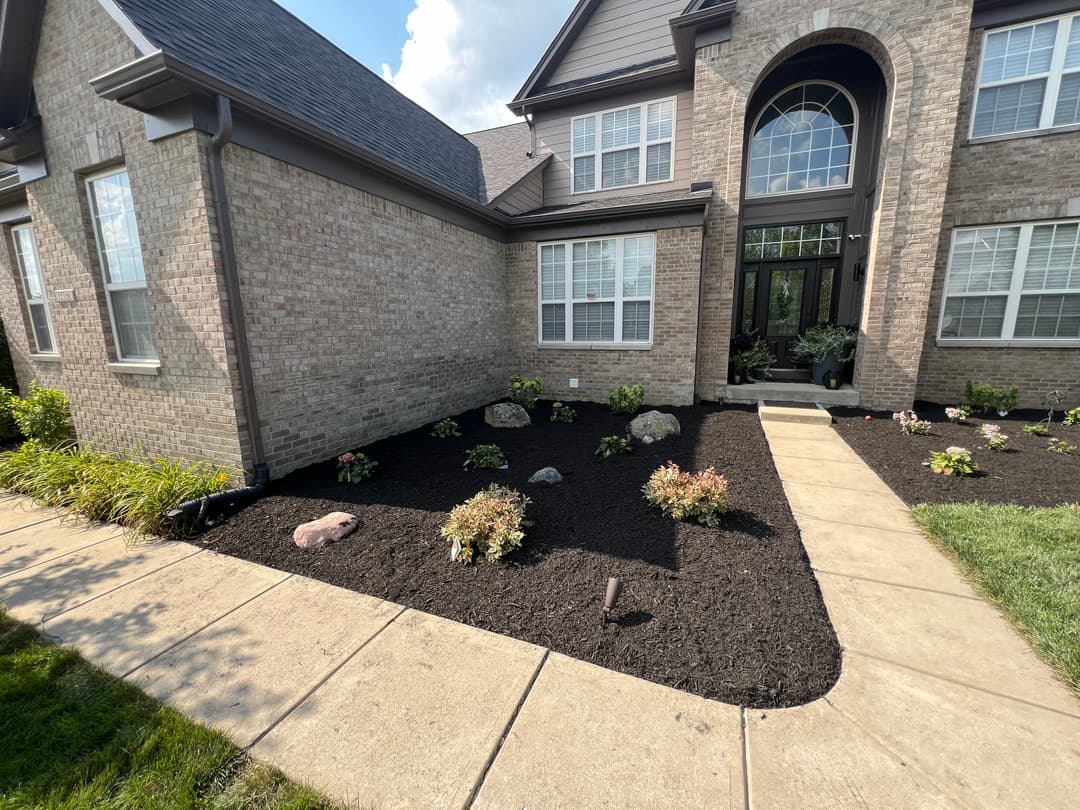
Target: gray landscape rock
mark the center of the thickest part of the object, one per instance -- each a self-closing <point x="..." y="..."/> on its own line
<point x="653" y="426"/>
<point x="506" y="415"/>
<point x="548" y="475"/>
<point x="318" y="533"/>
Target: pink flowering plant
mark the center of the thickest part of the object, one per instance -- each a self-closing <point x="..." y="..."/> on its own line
<point x="701" y="496"/>
<point x="995" y="439"/>
<point x="354" y="467"/>
<point x="911" y="424"/>
<point x="952" y="461"/>
<point x="957" y="415"/>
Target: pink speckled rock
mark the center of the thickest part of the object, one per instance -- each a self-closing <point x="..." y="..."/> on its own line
<point x="318" y="533"/>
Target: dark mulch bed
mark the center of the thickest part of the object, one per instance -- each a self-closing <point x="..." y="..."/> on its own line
<point x="1026" y="474"/>
<point x="733" y="613"/>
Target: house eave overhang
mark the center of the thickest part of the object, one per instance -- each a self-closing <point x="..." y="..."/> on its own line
<point x="158" y="79"/>
<point x="992" y="13"/>
<point x="696" y="203"/>
<point x="10" y="185"/>
<point x="662" y="73"/>
<point x="21" y="142"/>
<point x="694" y="29"/>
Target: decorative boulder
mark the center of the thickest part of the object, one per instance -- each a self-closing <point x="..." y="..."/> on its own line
<point x="548" y="475"/>
<point x="506" y="415"/>
<point x="318" y="533"/>
<point x="653" y="426"/>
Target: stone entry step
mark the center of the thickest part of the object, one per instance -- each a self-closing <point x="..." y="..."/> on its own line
<point x="794" y="412"/>
<point x="845" y="397"/>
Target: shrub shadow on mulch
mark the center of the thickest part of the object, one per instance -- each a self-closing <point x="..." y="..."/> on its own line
<point x="732" y="613"/>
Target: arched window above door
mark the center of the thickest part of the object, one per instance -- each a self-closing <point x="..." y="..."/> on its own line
<point x="803" y="140"/>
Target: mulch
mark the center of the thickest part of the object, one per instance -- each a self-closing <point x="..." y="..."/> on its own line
<point x="1026" y="474"/>
<point x="732" y="613"/>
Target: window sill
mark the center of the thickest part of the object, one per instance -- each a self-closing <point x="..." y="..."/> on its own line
<point x="611" y="347"/>
<point x="622" y="188"/>
<point x="150" y="369"/>
<point x="1014" y="136"/>
<point x="45" y="358"/>
<point x="948" y="343"/>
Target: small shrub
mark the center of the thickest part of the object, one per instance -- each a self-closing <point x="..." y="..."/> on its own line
<point x="1061" y="446"/>
<point x="995" y="439"/>
<point x="525" y="391"/>
<point x="445" y="429"/>
<point x="957" y="415"/>
<point x="562" y="413"/>
<point x="701" y="496"/>
<point x="825" y="340"/>
<point x="354" y="467"/>
<point x="952" y="461"/>
<point x="43" y="415"/>
<point x="754" y="359"/>
<point x="626" y="398"/>
<point x="489" y="522"/>
<point x="8" y="431"/>
<point x="1038" y="429"/>
<point x="911" y="424"/>
<point x="613" y="446"/>
<point x="1072" y="417"/>
<point x="484" y="457"/>
<point x="983" y="398"/>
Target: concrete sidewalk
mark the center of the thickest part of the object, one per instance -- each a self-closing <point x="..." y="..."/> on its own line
<point x="940" y="702"/>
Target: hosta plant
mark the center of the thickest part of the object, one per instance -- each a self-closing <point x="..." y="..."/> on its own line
<point x="1038" y="429"/>
<point x="1072" y="417"/>
<point x="488" y="523"/>
<point x="484" y="457"/>
<point x="1061" y="446"/>
<point x="525" y="391"/>
<point x="952" y="461"/>
<point x="626" y="398"/>
<point x="446" y="429"/>
<point x="995" y="439"/>
<point x="957" y="415"/>
<point x="354" y="467"/>
<point x="562" y="413"/>
<point x="613" y="446"/>
<point x="911" y="424"/>
<point x="701" y="496"/>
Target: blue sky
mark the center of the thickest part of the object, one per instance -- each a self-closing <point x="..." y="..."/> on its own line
<point x="460" y="59"/>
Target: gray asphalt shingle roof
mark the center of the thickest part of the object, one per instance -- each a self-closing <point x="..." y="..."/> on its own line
<point x="258" y="47"/>
<point x="504" y="157"/>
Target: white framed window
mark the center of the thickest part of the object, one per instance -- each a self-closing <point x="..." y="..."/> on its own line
<point x="26" y="253"/>
<point x="120" y="254"/>
<point x="628" y="146"/>
<point x="1029" y="78"/>
<point x="1013" y="283"/>
<point x="596" y="290"/>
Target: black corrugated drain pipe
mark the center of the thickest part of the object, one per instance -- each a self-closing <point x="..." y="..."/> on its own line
<point x="200" y="507"/>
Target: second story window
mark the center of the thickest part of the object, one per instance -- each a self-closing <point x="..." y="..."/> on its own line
<point x="122" y="265"/>
<point x="629" y="146"/>
<point x="1029" y="78"/>
<point x="34" y="288"/>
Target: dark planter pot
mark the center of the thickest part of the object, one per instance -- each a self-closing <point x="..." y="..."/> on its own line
<point x="820" y="372"/>
<point x="736" y="377"/>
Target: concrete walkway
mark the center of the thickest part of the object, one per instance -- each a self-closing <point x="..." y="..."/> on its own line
<point x="940" y="702"/>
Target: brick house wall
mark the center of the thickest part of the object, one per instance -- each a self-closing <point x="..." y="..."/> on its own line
<point x="365" y="318"/>
<point x="666" y="370"/>
<point x="1014" y="180"/>
<point x="189" y="409"/>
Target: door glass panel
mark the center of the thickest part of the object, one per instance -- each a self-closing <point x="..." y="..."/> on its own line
<point x="824" y="310"/>
<point x="749" y="298"/>
<point x="785" y="301"/>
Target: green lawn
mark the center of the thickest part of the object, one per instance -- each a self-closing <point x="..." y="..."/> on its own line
<point x="1026" y="561"/>
<point x="72" y="736"/>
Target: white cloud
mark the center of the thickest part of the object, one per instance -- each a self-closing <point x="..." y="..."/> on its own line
<point x="465" y="59"/>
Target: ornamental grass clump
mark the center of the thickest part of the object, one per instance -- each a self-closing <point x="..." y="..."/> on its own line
<point x="701" y="496"/>
<point x="911" y="424"/>
<point x="354" y="467"/>
<point x="952" y="461"/>
<point x="484" y="457"/>
<point x="562" y="413"/>
<point x="488" y="523"/>
<point x="626" y="398"/>
<point x="446" y="429"/>
<point x="995" y="439"/>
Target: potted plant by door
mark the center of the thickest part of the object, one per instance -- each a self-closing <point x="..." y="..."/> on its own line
<point x="754" y="362"/>
<point x="826" y="347"/>
<point x="739" y="343"/>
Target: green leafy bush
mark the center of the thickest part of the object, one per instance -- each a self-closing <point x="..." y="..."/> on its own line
<point x="445" y="429"/>
<point x="952" y="461"/>
<point x="43" y="415"/>
<point x="525" y="391"/>
<point x="1072" y="417"/>
<point x="484" y="457"/>
<point x="826" y="339"/>
<point x="1061" y="446"/>
<point x="489" y="523"/>
<point x="1038" y="429"/>
<point x="354" y="467"/>
<point x="613" y="446"/>
<point x="127" y="490"/>
<point x="755" y="359"/>
<point x="626" y="398"/>
<point x="8" y="431"/>
<point x="562" y="413"/>
<point x="984" y="398"/>
<point x="701" y="496"/>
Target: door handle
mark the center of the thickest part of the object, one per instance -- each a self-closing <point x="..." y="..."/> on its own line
<point x="851" y="237"/>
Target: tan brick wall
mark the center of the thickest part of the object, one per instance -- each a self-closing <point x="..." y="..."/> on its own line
<point x="365" y="318"/>
<point x="188" y="411"/>
<point x="1015" y="180"/>
<point x="921" y="49"/>
<point x="666" y="370"/>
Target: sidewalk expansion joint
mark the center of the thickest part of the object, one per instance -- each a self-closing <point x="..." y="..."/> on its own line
<point x="48" y="560"/>
<point x="803" y="516"/>
<point x="319" y="683"/>
<point x="479" y="783"/>
<point x="30" y="525"/>
<point x="744" y="738"/>
<point x="882" y="490"/>
<point x="891" y="584"/>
